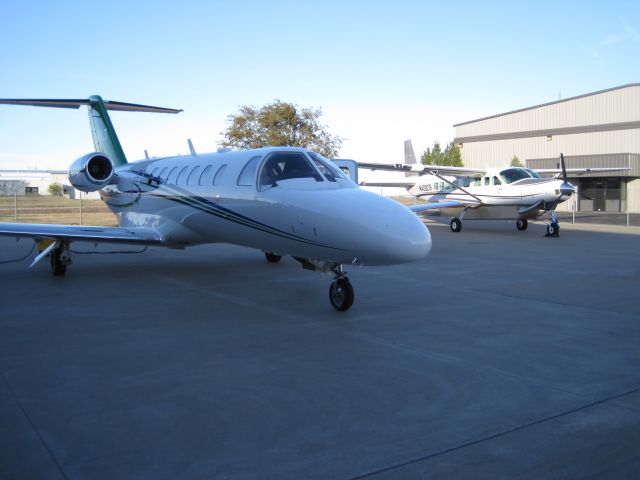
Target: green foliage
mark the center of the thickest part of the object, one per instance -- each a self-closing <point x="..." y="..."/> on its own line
<point x="55" y="189"/>
<point x="279" y="124"/>
<point x="450" y="157"/>
<point x="515" y="162"/>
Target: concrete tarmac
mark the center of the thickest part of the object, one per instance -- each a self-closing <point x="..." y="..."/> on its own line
<point x="503" y="354"/>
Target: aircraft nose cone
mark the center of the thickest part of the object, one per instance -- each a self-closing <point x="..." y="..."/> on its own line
<point x="399" y="236"/>
<point x="566" y="190"/>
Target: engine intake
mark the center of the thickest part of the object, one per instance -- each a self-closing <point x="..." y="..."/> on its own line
<point x="91" y="172"/>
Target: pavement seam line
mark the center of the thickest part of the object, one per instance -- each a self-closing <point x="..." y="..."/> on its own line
<point x="497" y="435"/>
<point x="33" y="426"/>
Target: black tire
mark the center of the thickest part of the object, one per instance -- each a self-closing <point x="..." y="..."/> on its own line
<point x="341" y="294"/>
<point x="456" y="224"/>
<point x="57" y="267"/>
<point x="553" y="230"/>
<point x="522" y="224"/>
<point x="272" y="257"/>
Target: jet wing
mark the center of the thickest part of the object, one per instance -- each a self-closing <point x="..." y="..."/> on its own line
<point x="425" y="169"/>
<point x="444" y="204"/>
<point x="146" y="236"/>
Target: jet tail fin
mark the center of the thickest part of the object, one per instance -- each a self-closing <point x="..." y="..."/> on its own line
<point x="104" y="135"/>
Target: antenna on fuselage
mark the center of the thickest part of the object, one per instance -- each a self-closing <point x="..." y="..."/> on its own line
<point x="191" y="149"/>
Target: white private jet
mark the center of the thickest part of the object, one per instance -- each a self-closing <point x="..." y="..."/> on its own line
<point x="507" y="193"/>
<point x="283" y="201"/>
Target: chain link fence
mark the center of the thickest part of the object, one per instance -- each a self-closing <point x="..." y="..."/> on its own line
<point x="54" y="209"/>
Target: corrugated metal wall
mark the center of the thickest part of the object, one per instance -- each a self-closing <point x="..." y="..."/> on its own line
<point x="598" y="127"/>
<point x="498" y="153"/>
<point x="610" y="106"/>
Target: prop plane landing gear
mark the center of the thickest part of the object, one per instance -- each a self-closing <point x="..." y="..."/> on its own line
<point x="522" y="224"/>
<point x="456" y="224"/>
<point x="553" y="229"/>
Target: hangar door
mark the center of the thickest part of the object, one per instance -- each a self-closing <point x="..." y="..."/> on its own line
<point x="600" y="194"/>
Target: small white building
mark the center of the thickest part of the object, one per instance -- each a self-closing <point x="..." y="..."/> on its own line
<point x="600" y="129"/>
<point x="36" y="182"/>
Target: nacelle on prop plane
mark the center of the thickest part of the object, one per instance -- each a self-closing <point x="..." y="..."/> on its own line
<point x="91" y="172"/>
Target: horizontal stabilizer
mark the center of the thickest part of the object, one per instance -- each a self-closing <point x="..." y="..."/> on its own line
<point x="109" y="105"/>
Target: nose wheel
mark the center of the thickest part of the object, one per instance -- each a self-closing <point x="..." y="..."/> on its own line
<point x="341" y="294"/>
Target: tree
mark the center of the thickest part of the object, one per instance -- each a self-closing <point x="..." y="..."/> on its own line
<point x="279" y="124"/>
<point x="450" y="157"/>
<point x="515" y="162"/>
<point x="55" y="188"/>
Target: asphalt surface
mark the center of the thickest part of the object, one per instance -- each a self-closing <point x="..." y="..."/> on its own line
<point x="503" y="354"/>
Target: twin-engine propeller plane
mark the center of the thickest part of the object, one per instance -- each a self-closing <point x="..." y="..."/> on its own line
<point x="516" y="193"/>
<point x="283" y="201"/>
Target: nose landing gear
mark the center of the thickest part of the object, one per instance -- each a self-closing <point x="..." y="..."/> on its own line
<point x="553" y="229"/>
<point x="341" y="293"/>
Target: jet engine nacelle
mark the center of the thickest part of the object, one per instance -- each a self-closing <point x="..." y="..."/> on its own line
<point x="91" y="172"/>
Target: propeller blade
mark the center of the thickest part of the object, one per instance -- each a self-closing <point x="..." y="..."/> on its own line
<point x="564" y="169"/>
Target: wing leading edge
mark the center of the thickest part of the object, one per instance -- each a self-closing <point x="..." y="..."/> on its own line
<point x="444" y="204"/>
<point x="140" y="236"/>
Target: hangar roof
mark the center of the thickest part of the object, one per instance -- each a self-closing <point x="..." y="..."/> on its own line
<point x="629" y="85"/>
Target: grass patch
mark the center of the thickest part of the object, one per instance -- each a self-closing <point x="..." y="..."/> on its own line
<point x="52" y="209"/>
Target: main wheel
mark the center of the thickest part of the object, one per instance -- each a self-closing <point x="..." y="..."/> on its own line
<point x="522" y="224"/>
<point x="272" y="257"/>
<point x="57" y="267"/>
<point x="341" y="294"/>
<point x="553" y="230"/>
<point x="456" y="224"/>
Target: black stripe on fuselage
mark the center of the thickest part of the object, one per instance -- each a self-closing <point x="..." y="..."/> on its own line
<point x="207" y="206"/>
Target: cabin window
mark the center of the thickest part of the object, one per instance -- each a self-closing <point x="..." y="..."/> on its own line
<point x="281" y="166"/>
<point x="181" y="175"/>
<point x="163" y="171"/>
<point x="172" y="175"/>
<point x="496" y="181"/>
<point x="486" y="180"/>
<point x="247" y="176"/>
<point x="155" y="171"/>
<point x="205" y="172"/>
<point x="218" y="176"/>
<point x="193" y="175"/>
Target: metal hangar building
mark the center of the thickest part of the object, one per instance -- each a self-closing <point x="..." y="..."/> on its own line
<point x="599" y="129"/>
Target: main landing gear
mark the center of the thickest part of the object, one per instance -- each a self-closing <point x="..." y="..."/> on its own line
<point x="60" y="258"/>
<point x="522" y="224"/>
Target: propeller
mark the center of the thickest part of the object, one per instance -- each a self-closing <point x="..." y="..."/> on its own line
<point x="566" y="189"/>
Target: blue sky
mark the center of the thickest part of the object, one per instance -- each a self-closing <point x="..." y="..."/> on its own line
<point x="380" y="71"/>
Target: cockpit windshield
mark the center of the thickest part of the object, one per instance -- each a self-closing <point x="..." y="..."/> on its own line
<point x="327" y="167"/>
<point x="285" y="166"/>
<point x="512" y="175"/>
